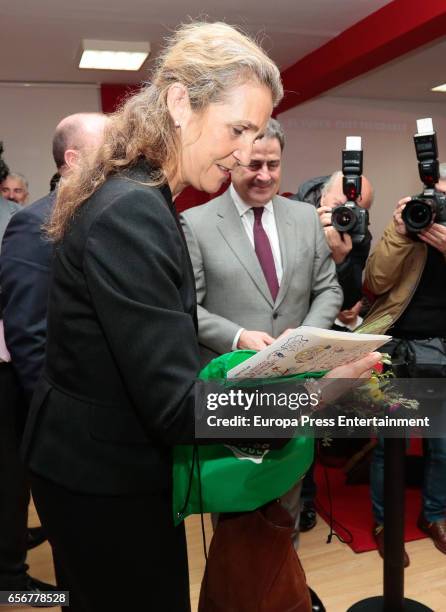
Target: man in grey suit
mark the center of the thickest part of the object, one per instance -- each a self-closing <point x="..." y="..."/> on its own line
<point x="237" y="308"/>
<point x="261" y="265"/>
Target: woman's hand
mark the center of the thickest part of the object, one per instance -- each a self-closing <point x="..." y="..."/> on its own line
<point x="342" y="379"/>
<point x="356" y="369"/>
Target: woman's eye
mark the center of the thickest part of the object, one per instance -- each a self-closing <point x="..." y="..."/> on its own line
<point x="238" y="131"/>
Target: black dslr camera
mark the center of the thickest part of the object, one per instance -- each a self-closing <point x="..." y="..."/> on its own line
<point x="430" y="206"/>
<point x="350" y="217"/>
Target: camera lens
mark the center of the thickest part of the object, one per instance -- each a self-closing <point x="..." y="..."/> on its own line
<point x="417" y="215"/>
<point x="343" y="219"/>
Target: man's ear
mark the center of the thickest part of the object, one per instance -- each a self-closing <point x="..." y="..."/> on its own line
<point x="178" y="104"/>
<point x="71" y="157"/>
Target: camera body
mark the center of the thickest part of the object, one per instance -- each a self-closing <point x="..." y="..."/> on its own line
<point x="429" y="206"/>
<point x="350" y="217"/>
<point x="423" y="210"/>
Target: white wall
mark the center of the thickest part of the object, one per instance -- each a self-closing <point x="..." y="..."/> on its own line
<point x="316" y="134"/>
<point x="28" y="116"/>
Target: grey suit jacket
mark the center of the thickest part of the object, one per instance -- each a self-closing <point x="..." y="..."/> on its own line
<point x="7" y="209"/>
<point x="231" y="289"/>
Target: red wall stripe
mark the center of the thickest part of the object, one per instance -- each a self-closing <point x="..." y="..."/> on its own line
<point x="395" y="29"/>
<point x="112" y="94"/>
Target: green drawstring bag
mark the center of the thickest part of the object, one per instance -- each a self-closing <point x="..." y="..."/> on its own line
<point x="219" y="478"/>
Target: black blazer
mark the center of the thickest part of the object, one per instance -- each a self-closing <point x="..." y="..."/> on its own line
<point x="122" y="353"/>
<point x="25" y="263"/>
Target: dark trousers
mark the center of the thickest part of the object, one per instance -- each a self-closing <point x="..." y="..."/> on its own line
<point x="434" y="449"/>
<point x="115" y="552"/>
<point x="434" y="481"/>
<point x="14" y="486"/>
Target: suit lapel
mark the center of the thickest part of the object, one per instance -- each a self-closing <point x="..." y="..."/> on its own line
<point x="231" y="228"/>
<point x="287" y="240"/>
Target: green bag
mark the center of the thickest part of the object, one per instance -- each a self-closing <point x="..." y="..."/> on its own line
<point x="211" y="478"/>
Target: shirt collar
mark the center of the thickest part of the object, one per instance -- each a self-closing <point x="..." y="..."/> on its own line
<point x="241" y="206"/>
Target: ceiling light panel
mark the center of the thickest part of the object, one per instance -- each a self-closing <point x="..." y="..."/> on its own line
<point x="113" y="55"/>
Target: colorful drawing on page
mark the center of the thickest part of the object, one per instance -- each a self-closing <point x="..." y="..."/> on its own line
<point x="293" y="344"/>
<point x="310" y="353"/>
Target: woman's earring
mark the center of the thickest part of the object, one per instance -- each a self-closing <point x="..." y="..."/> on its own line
<point x="177" y="124"/>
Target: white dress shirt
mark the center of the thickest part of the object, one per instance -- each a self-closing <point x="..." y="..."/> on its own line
<point x="269" y="225"/>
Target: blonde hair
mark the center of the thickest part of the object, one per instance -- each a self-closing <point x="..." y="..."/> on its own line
<point x="209" y="59"/>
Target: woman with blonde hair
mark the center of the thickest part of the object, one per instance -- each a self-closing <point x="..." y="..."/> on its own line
<point x="118" y="386"/>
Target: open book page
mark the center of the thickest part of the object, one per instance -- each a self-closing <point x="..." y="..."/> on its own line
<point x="307" y="349"/>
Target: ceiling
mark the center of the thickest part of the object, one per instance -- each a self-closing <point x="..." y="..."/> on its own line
<point x="41" y="38"/>
<point x="409" y="77"/>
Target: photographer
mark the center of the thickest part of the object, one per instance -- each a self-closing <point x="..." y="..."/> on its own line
<point x="326" y="193"/>
<point x="401" y="262"/>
